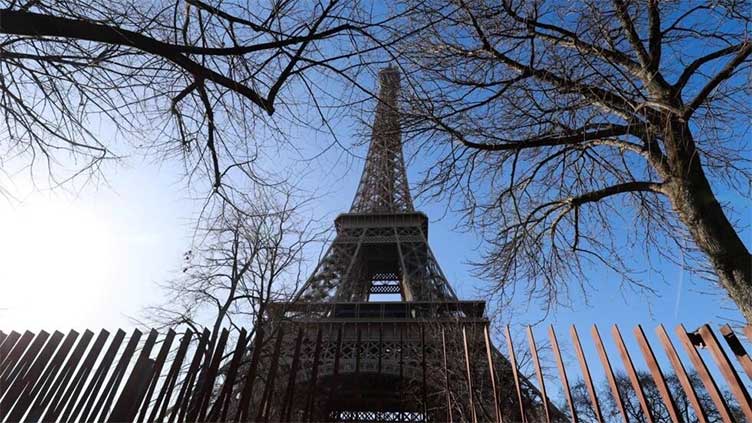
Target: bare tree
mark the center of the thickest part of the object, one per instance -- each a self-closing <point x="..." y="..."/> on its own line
<point x="244" y="259"/>
<point x="82" y="81"/>
<point x="610" y="410"/>
<point x="575" y="131"/>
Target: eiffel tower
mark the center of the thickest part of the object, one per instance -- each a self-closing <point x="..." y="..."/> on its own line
<point x="336" y="353"/>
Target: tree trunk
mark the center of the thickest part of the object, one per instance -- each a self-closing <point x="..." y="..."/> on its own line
<point x="697" y="207"/>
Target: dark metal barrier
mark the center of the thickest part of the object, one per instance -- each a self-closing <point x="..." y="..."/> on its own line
<point x="217" y="377"/>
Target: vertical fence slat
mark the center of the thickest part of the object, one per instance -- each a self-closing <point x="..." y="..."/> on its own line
<point x="126" y="407"/>
<point x="290" y="391"/>
<point x="738" y="349"/>
<point x="39" y="384"/>
<point x="705" y="376"/>
<point x="18" y="395"/>
<point x="681" y="374"/>
<point x="562" y="373"/>
<point x="186" y="389"/>
<point x="609" y="372"/>
<point x="79" y="381"/>
<point x="450" y="417"/>
<point x="16" y="368"/>
<point x="160" y="408"/>
<point x="727" y="370"/>
<point x="515" y="373"/>
<point x="314" y="377"/>
<point x="469" y="376"/>
<point x="50" y="398"/>
<point x="8" y="361"/>
<point x="221" y="404"/>
<point x="204" y="396"/>
<point x="538" y="372"/>
<point x="156" y="372"/>
<point x="250" y="378"/>
<point x="655" y="371"/>
<point x="401" y="360"/>
<point x="586" y="373"/>
<point x="267" y="398"/>
<point x="492" y="372"/>
<point x="6" y="346"/>
<point x="37" y="376"/>
<point x="90" y="395"/>
<point x="424" y="384"/>
<point x="102" y="408"/>
<point x="47" y="384"/>
<point x="632" y="374"/>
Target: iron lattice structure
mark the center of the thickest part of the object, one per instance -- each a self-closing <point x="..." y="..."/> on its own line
<point x="381" y="245"/>
<point x="383" y="186"/>
<point x="383" y="361"/>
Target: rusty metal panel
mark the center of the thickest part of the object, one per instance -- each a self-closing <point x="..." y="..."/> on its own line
<point x="586" y="373"/>
<point x="727" y="370"/>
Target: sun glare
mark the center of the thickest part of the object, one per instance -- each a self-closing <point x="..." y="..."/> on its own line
<point x="55" y="257"/>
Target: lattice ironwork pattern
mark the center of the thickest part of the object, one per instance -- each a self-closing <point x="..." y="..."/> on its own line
<point x="362" y="256"/>
<point x="382" y="238"/>
<point x="383" y="186"/>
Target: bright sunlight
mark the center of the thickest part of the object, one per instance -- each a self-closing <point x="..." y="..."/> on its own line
<point x="64" y="251"/>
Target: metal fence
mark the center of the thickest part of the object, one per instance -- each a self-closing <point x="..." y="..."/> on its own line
<point x="213" y="377"/>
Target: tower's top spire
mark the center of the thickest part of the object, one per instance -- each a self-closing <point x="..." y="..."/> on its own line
<point x="383" y="186"/>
